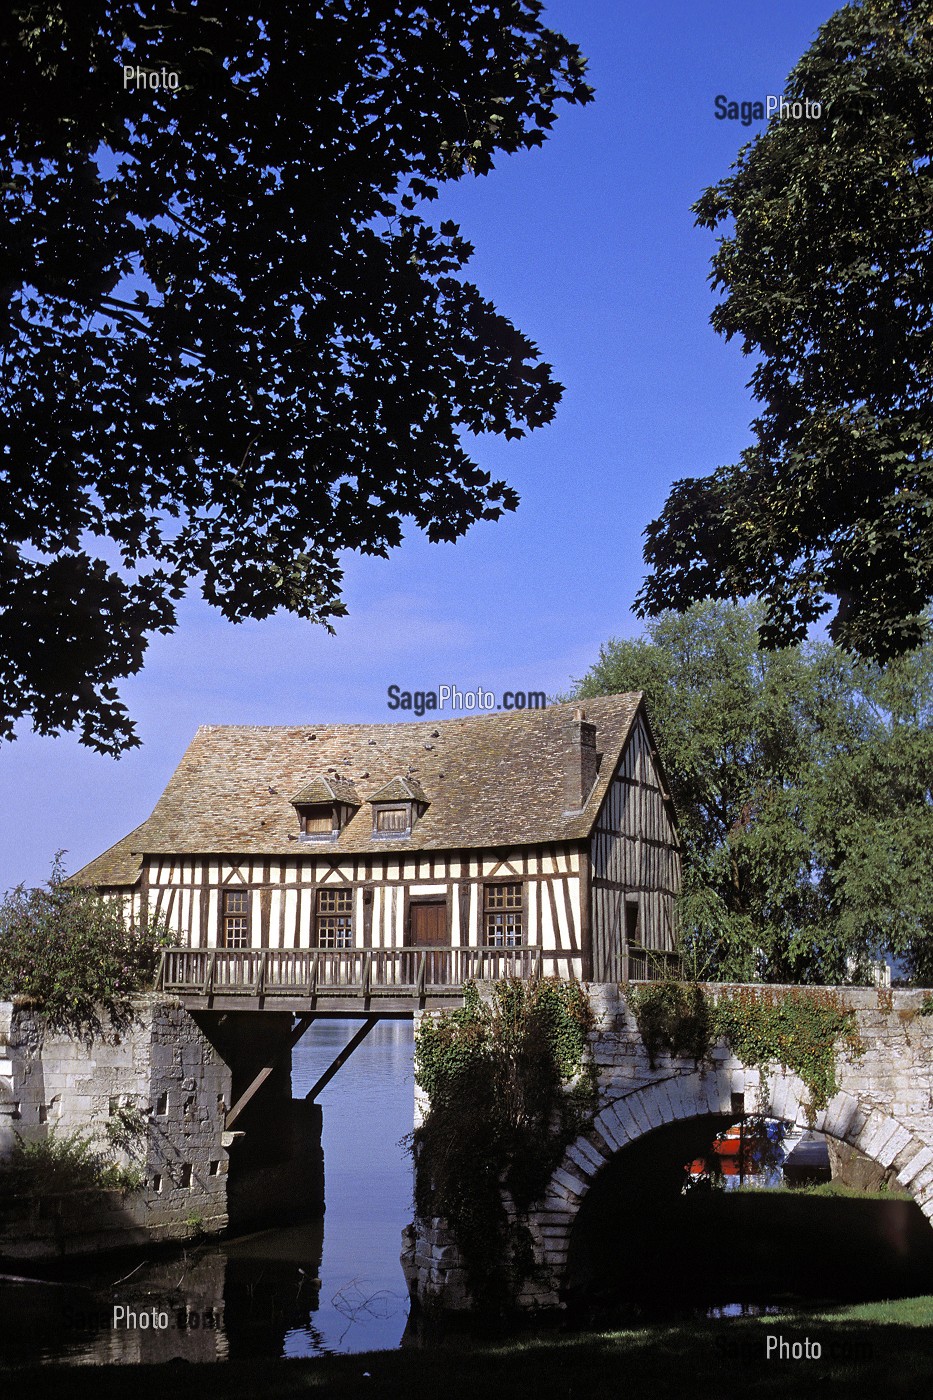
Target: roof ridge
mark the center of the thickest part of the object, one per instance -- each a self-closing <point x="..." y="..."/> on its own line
<point x="424" y="719"/>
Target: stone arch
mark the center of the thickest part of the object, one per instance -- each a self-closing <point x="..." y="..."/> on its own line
<point x="680" y="1096"/>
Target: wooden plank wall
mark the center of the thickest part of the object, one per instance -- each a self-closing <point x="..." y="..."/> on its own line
<point x="634" y="858"/>
<point x="283" y="894"/>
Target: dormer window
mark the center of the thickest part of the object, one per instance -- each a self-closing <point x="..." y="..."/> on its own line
<point x="392" y="821"/>
<point x="318" y="823"/>
<point x="396" y="808"/>
<point x="324" y="807"/>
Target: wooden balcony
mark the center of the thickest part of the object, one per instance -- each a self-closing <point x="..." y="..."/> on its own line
<point x="347" y="981"/>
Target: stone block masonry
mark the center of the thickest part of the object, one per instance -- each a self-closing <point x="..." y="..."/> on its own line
<point x="883" y="1110"/>
<point x="162" y="1065"/>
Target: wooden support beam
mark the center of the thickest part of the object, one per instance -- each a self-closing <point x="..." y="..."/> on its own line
<point x="312" y="978"/>
<point x="342" y="1058"/>
<point x="261" y="974"/>
<point x="253" y="1089"/>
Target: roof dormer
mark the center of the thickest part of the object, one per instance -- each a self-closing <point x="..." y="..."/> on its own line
<point x="396" y="807"/>
<point x="324" y="807"/>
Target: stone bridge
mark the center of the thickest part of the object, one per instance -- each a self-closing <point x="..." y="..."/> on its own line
<point x="884" y="1108"/>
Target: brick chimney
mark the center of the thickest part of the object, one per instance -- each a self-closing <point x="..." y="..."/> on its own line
<point x="581" y="761"/>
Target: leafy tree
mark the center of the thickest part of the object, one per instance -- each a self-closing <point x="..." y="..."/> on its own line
<point x="802" y="780"/>
<point x="233" y="345"/>
<point x="70" y="951"/>
<point x="827" y="269"/>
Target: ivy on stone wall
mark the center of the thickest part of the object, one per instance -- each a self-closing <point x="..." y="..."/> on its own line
<point x="674" y="1018"/>
<point x="800" y="1028"/>
<point x="510" y="1083"/>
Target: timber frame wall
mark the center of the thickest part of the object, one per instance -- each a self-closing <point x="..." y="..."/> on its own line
<point x="580" y="898"/>
<point x="635" y="869"/>
<point x="186" y="892"/>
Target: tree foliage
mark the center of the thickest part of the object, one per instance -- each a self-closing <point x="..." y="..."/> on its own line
<point x="70" y="951"/>
<point x="233" y="344"/>
<point x="802" y="780"/>
<point x="827" y="270"/>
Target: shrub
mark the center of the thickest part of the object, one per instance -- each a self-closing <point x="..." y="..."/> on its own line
<point x="510" y="1083"/>
<point x="69" y="951"/>
<point x="55" y="1165"/>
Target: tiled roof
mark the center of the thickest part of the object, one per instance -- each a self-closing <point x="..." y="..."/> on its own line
<point x="493" y="780"/>
<point x="400" y="790"/>
<point x="326" y="789"/>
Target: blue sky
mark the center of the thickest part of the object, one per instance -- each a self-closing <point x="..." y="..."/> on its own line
<point x="589" y="246"/>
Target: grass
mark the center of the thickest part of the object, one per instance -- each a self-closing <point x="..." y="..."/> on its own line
<point x="828" y="1188"/>
<point x="907" y="1312"/>
<point x="884" y="1348"/>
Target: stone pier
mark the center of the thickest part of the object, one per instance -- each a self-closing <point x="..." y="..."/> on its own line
<point x="176" y="1078"/>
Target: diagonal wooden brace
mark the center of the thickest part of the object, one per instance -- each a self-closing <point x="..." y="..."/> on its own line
<point x="260" y="1079"/>
<point x="344" y="1055"/>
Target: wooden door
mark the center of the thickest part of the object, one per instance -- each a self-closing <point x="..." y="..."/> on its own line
<point x="427" y="928"/>
<point x="427" y="922"/>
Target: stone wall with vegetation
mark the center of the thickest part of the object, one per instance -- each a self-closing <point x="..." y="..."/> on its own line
<point x="133" y="1118"/>
<point x="872" y="1091"/>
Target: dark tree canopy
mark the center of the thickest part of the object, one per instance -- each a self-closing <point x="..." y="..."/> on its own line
<point x="233" y="346"/>
<point x="827" y="268"/>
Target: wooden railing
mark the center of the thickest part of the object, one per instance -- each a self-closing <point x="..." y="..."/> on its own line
<point x="651" y="965"/>
<point x="352" y="972"/>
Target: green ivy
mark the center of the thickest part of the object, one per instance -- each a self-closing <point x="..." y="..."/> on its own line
<point x="510" y="1083"/>
<point x="674" y="1018"/>
<point x="798" y="1028"/>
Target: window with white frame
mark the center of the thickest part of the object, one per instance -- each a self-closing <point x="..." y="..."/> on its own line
<point x="503" y="910"/>
<point x="334" y="918"/>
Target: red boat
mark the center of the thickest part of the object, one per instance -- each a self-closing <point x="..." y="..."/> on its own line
<point x="746" y="1149"/>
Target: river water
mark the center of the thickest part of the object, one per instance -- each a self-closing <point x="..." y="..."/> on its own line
<point x="331" y="1286"/>
<point x="368" y="1108"/>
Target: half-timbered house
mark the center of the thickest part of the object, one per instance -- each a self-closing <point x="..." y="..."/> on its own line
<point x="550" y="832"/>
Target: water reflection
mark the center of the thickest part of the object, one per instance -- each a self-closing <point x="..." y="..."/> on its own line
<point x="368" y="1109"/>
<point x="310" y="1289"/>
<point x="743" y="1310"/>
